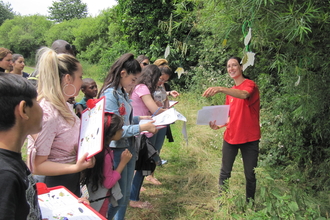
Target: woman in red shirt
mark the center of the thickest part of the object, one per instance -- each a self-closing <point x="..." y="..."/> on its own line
<point x="243" y="129"/>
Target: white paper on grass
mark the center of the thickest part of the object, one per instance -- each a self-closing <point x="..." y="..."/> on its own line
<point x="218" y="113"/>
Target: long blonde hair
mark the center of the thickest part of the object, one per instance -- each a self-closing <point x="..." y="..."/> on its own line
<point x="52" y="68"/>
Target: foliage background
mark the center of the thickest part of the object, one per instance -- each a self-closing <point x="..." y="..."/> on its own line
<point x="290" y="39"/>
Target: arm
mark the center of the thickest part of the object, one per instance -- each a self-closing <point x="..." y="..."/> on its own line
<point x="42" y="166"/>
<point x="151" y="104"/>
<point x="241" y="94"/>
<point x="112" y="176"/>
<point x="79" y="109"/>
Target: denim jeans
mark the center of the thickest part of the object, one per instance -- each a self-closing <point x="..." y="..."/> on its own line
<point x="138" y="177"/>
<point x="250" y="151"/>
<point x="125" y="182"/>
<point x="158" y="140"/>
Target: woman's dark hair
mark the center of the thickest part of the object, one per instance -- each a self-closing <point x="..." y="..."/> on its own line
<point x="13" y="90"/>
<point x="16" y="56"/>
<point x="140" y="58"/>
<point x="239" y="60"/>
<point x="150" y="77"/>
<point x="165" y="69"/>
<point x="94" y="176"/>
<point x="125" y="62"/>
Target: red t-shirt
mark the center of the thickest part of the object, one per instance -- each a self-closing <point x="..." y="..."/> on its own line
<point x="243" y="125"/>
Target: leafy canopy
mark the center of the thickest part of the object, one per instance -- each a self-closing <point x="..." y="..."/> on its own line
<point x="65" y="10"/>
<point x="6" y="12"/>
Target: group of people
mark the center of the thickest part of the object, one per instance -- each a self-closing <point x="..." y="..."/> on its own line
<point x="12" y="63"/>
<point x="133" y="90"/>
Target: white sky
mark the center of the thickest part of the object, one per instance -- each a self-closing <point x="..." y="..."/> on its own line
<point x="31" y="7"/>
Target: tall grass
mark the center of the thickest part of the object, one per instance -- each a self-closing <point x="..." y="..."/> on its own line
<point x="189" y="187"/>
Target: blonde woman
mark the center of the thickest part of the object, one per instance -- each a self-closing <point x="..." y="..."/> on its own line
<point x="53" y="152"/>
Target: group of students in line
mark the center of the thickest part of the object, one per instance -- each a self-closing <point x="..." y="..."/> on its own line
<point x="52" y="148"/>
<point x="49" y="121"/>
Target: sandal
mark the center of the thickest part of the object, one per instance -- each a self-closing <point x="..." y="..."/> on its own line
<point x="140" y="204"/>
<point x="142" y="189"/>
<point x="153" y="180"/>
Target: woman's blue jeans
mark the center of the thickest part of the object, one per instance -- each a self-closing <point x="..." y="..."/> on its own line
<point x="125" y="182"/>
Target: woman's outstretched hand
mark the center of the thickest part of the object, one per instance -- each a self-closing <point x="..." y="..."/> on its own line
<point x="211" y="91"/>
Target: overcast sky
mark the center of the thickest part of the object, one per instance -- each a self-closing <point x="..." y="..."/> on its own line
<point x="31" y="7"/>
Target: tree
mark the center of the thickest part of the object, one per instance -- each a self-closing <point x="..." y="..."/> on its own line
<point x="24" y="34"/>
<point x="6" y="12"/>
<point x="65" y="10"/>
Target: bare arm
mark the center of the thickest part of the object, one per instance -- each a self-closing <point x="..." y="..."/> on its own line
<point x="241" y="94"/>
<point x="42" y="166"/>
<point x="151" y="104"/>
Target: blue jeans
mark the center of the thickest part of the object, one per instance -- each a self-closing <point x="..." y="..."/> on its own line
<point x="250" y="151"/>
<point x="158" y="142"/>
<point x="138" y="177"/>
<point x="125" y="182"/>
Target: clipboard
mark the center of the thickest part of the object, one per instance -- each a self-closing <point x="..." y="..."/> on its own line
<point x="60" y="203"/>
<point x="92" y="129"/>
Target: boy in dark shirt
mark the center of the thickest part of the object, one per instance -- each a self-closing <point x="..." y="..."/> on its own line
<point x="20" y="115"/>
<point x="89" y="88"/>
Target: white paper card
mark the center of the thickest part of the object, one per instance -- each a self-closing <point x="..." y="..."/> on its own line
<point x="218" y="113"/>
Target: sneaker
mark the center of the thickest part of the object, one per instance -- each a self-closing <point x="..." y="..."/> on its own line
<point x="164" y="162"/>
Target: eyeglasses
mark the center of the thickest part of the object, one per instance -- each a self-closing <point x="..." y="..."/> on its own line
<point x="145" y="64"/>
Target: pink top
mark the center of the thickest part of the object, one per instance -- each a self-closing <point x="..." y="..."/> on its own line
<point x="110" y="176"/>
<point x="139" y="108"/>
<point x="58" y="139"/>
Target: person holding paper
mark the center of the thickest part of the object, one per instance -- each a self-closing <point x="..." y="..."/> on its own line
<point x="144" y="104"/>
<point x="243" y="129"/>
<point x="20" y="116"/>
<point x="102" y="176"/>
<point x="53" y="151"/>
<point x="122" y="76"/>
